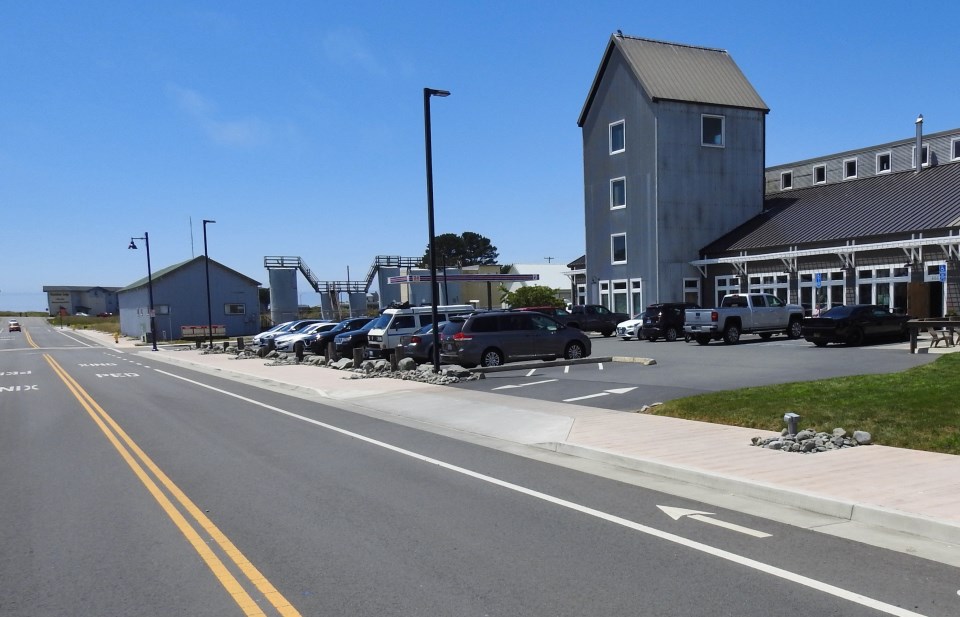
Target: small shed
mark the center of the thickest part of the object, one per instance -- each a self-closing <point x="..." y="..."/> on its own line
<point x="180" y="301"/>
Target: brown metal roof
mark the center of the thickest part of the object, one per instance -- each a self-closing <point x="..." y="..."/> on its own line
<point x="672" y="71"/>
<point x="884" y="205"/>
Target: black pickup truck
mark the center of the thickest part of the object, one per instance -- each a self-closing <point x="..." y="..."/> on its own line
<point x="595" y="318"/>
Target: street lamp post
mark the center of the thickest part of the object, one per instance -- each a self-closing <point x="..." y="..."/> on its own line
<point x="427" y="93"/>
<point x="153" y="315"/>
<point x="206" y="265"/>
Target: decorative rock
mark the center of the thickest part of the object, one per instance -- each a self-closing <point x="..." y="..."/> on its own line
<point x="862" y="438"/>
<point x="406" y="364"/>
<point x="839" y="432"/>
<point x="808" y="441"/>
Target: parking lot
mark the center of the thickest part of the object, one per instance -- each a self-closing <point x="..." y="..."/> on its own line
<point x="685" y="369"/>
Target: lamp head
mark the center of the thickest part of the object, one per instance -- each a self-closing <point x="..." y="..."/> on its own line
<point x="133" y="245"/>
<point x="920" y="119"/>
<point x="438" y="92"/>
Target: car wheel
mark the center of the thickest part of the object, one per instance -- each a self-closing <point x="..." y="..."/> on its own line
<point x="670" y="335"/>
<point x="855" y="337"/>
<point x="650" y="338"/>
<point x="574" y="351"/>
<point x="491" y="357"/>
<point x="795" y="329"/>
<point x="626" y="338"/>
<point x="820" y="343"/>
<point x="731" y="335"/>
<point x="703" y="339"/>
<point x="607" y="332"/>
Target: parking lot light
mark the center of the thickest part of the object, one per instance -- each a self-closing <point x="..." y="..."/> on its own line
<point x="427" y="93"/>
<point x="153" y="317"/>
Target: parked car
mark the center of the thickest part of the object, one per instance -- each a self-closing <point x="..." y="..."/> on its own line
<point x="419" y="345"/>
<point x="595" y="318"/>
<point x="560" y="314"/>
<point x="855" y="323"/>
<point x="319" y="344"/>
<point x="346" y="342"/>
<point x="496" y="337"/>
<point x="287" y="342"/>
<point x="665" y="320"/>
<point x="749" y="313"/>
<point x="406" y="320"/>
<point x="288" y="328"/>
<point x="13" y="326"/>
<point x="631" y="327"/>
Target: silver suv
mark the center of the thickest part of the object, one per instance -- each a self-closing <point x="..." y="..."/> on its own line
<point x="493" y="338"/>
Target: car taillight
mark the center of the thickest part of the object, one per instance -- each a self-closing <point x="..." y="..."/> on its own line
<point x="415" y="340"/>
<point x="714" y="316"/>
<point x="460" y="336"/>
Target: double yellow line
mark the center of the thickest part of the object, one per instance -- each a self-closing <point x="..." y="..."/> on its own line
<point x="30" y="340"/>
<point x="137" y="460"/>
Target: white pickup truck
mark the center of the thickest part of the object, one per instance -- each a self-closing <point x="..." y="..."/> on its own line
<point x="751" y="313"/>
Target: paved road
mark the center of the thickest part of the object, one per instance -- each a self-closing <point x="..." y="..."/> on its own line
<point x="132" y="489"/>
<point x="686" y="369"/>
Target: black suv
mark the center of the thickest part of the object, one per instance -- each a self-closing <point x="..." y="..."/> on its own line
<point x="665" y="319"/>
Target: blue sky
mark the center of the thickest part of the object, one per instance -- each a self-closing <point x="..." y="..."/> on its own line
<point x="298" y="126"/>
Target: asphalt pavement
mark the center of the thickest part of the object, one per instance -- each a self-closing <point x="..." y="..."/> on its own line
<point x="914" y="494"/>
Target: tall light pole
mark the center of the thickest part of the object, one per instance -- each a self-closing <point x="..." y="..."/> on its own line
<point x="427" y="93"/>
<point x="153" y="315"/>
<point x="206" y="265"/>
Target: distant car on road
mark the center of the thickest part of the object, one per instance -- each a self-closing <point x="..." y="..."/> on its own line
<point x="855" y="323"/>
<point x="496" y="337"/>
<point x="13" y="326"/>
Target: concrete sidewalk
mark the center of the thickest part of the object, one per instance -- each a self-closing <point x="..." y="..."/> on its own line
<point x="908" y="491"/>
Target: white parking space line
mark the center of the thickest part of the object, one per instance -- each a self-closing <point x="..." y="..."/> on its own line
<point x="523" y="385"/>
<point x="531" y="372"/>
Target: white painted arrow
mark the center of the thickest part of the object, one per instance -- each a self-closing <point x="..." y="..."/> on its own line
<point x="604" y="393"/>
<point x="703" y="517"/>
<point x="523" y="385"/>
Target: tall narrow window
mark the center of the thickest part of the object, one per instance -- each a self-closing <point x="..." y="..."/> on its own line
<point x="820" y="174"/>
<point x="924" y="156"/>
<point x="883" y="163"/>
<point x="618" y="248"/>
<point x="955" y="149"/>
<point x="618" y="193"/>
<point x="849" y="169"/>
<point x="786" y="180"/>
<point x="617" y="137"/>
<point x="711" y="133"/>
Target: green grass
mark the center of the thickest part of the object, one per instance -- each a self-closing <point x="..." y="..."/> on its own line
<point x="104" y="324"/>
<point x="918" y="408"/>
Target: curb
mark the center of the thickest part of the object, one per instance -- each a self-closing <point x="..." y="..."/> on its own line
<point x="903" y="522"/>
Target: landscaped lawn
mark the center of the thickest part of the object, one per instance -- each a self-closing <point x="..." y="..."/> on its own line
<point x="918" y="408"/>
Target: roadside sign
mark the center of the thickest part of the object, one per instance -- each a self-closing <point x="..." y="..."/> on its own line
<point x="819" y="280"/>
<point x="943" y="273"/>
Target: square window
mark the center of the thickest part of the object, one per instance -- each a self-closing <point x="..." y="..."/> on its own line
<point x="925" y="161"/>
<point x="618" y="193"/>
<point x="786" y="180"/>
<point x="849" y="169"/>
<point x="711" y="131"/>
<point x="617" y="138"/>
<point x="820" y="174"/>
<point x="618" y="248"/>
<point x="955" y="149"/>
<point x="883" y="163"/>
<point x="234" y="309"/>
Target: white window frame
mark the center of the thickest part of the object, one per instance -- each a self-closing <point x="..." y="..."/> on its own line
<point x="727" y="287"/>
<point x="620" y="289"/>
<point x="636" y="292"/>
<point x="813" y="176"/>
<point x="924" y="154"/>
<point x="830" y="279"/>
<point x="613" y="261"/>
<point x="786" y="180"/>
<point x="889" y="168"/>
<point x="773" y="283"/>
<point x="723" y="131"/>
<point x="848" y="176"/>
<point x="610" y="136"/>
<point x="613" y="204"/>
<point x="955" y="149"/>
<point x="874" y="279"/>
<point x="691" y="285"/>
<point x="604" y="294"/>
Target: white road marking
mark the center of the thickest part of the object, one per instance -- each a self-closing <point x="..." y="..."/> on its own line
<point x="76" y="340"/>
<point x="604" y="393"/>
<point x="524" y="385"/>
<point x="759" y="566"/>
<point x="566" y="369"/>
<point x="704" y="517"/>
<point x="532" y="372"/>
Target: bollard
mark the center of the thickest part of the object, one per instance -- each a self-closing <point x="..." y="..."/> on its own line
<point x="395" y="360"/>
<point x="239" y="343"/>
<point x="331" y="352"/>
<point x="357" y="357"/>
<point x="225" y="345"/>
<point x="791" y="419"/>
<point x="298" y="350"/>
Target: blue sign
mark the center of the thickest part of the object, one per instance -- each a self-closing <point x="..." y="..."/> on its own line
<point x="943" y="273"/>
<point x="819" y="280"/>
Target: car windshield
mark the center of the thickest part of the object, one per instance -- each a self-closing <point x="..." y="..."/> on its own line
<point x="838" y="312"/>
<point x="379" y="322"/>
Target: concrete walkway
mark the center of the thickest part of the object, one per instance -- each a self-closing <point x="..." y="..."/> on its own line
<point x="908" y="491"/>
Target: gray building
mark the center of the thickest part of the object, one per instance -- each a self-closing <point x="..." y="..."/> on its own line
<point x="180" y="300"/>
<point x="673" y="157"/>
<point x="73" y="299"/>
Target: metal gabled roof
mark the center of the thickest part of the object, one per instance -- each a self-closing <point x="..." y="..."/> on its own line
<point x="163" y="272"/>
<point x="877" y="206"/>
<point x="677" y="72"/>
